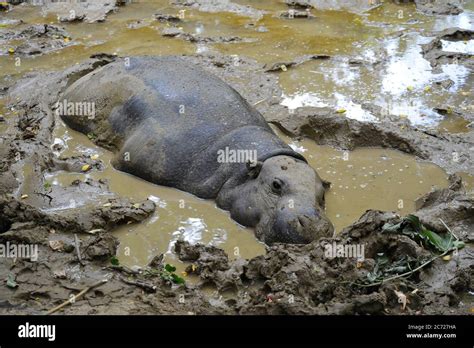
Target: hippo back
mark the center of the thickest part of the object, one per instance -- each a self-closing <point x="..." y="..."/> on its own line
<point x="167" y="119"/>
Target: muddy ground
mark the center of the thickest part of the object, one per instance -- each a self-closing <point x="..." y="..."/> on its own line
<point x="76" y="246"/>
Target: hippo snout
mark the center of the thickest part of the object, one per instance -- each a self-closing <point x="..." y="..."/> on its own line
<point x="300" y="227"/>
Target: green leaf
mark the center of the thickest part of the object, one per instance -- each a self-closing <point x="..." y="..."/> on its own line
<point x="176" y="279"/>
<point x="443" y="244"/>
<point x="411" y="226"/>
<point x="114" y="261"/>
<point x="415" y="222"/>
<point x="170" y="268"/>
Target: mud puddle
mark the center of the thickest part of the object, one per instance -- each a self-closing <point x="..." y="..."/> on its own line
<point x="375" y="56"/>
<point x="371" y="55"/>
<point x="389" y="71"/>
<point x="341" y="59"/>
<point x="368" y="178"/>
<point x="115" y="36"/>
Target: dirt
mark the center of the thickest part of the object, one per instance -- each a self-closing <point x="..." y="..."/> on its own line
<point x="283" y="66"/>
<point x="87" y="11"/>
<point x="436" y="55"/>
<point x="358" y="6"/>
<point x="178" y="33"/>
<point x="74" y="226"/>
<point x="34" y="40"/>
<point x="213" y="6"/>
<point x="302" y="280"/>
<point x="439" y="7"/>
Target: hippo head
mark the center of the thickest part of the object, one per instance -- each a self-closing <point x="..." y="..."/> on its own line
<point x="283" y="199"/>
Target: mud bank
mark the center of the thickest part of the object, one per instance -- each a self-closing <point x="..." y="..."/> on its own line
<point x="34" y="40"/>
<point x="326" y="126"/>
<point x="429" y="7"/>
<point x="73" y="226"/>
<point x="437" y="54"/>
<point x="219" y="6"/>
<point x="81" y="11"/>
<point x="439" y="7"/>
<point x="304" y="280"/>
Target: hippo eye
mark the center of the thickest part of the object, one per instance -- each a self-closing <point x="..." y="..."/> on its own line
<point x="276" y="186"/>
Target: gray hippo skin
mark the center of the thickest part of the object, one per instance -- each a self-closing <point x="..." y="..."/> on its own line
<point x="167" y="120"/>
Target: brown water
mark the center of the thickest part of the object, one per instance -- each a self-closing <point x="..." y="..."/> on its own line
<point x="402" y="84"/>
<point x="368" y="178"/>
<point x="361" y="179"/>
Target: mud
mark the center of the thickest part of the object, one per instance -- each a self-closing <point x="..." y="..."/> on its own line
<point x="284" y="66"/>
<point x="303" y="280"/>
<point x="220" y="6"/>
<point x="358" y="6"/>
<point x="34" y="40"/>
<point x="435" y="53"/>
<point x="439" y="7"/>
<point x="79" y="224"/>
<point x="87" y="11"/>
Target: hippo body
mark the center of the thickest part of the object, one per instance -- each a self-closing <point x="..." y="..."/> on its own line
<point x="168" y="121"/>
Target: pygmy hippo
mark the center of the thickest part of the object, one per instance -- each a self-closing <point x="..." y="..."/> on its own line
<point x="174" y="124"/>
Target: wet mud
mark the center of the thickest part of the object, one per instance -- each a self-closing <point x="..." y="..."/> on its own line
<point x="59" y="191"/>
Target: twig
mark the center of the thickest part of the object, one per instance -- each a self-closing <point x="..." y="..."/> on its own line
<point x="145" y="286"/>
<point x="260" y="101"/>
<point x="449" y="230"/>
<point x="77" y="244"/>
<point x="124" y="269"/>
<point x="44" y="195"/>
<point x="75" y="297"/>
<point x="95" y="231"/>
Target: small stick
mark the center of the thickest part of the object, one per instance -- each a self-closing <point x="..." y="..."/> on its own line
<point x="145" y="286"/>
<point x="449" y="230"/>
<point x="78" y="248"/>
<point x="75" y="297"/>
<point x="124" y="269"/>
<point x="260" y="101"/>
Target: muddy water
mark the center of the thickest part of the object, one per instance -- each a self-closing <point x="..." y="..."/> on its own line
<point x="468" y="181"/>
<point x="362" y="179"/>
<point x="368" y="178"/>
<point x="403" y="85"/>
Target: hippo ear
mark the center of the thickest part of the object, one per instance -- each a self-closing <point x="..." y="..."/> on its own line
<point x="254" y="168"/>
<point x="326" y="184"/>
